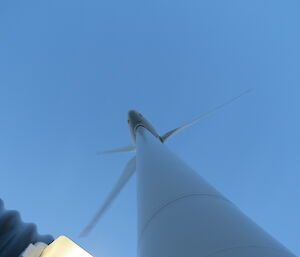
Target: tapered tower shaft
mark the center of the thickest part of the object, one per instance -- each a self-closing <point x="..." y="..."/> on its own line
<point x="181" y="215"/>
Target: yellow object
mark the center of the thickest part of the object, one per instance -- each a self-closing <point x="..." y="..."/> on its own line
<point x="64" y="247"/>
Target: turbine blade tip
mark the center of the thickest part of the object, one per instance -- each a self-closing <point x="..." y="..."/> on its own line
<point x="85" y="232"/>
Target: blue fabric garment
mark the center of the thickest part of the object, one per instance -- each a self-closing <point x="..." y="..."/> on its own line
<point x="16" y="235"/>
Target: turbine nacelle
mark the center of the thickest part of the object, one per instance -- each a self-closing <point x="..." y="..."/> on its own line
<point x="136" y="119"/>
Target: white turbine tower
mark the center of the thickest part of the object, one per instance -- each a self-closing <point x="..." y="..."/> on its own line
<point x="179" y="213"/>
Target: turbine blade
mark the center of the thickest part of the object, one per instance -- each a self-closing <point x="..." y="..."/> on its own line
<point x="204" y="115"/>
<point x="125" y="149"/>
<point x="125" y="176"/>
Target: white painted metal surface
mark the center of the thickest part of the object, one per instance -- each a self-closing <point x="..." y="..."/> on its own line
<point x="34" y="250"/>
<point x="181" y="215"/>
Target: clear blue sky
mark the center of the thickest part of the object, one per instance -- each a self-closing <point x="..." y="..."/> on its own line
<point x="71" y="69"/>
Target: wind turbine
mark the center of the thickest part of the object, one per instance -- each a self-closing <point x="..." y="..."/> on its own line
<point x="136" y="119"/>
<point x="179" y="213"/>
